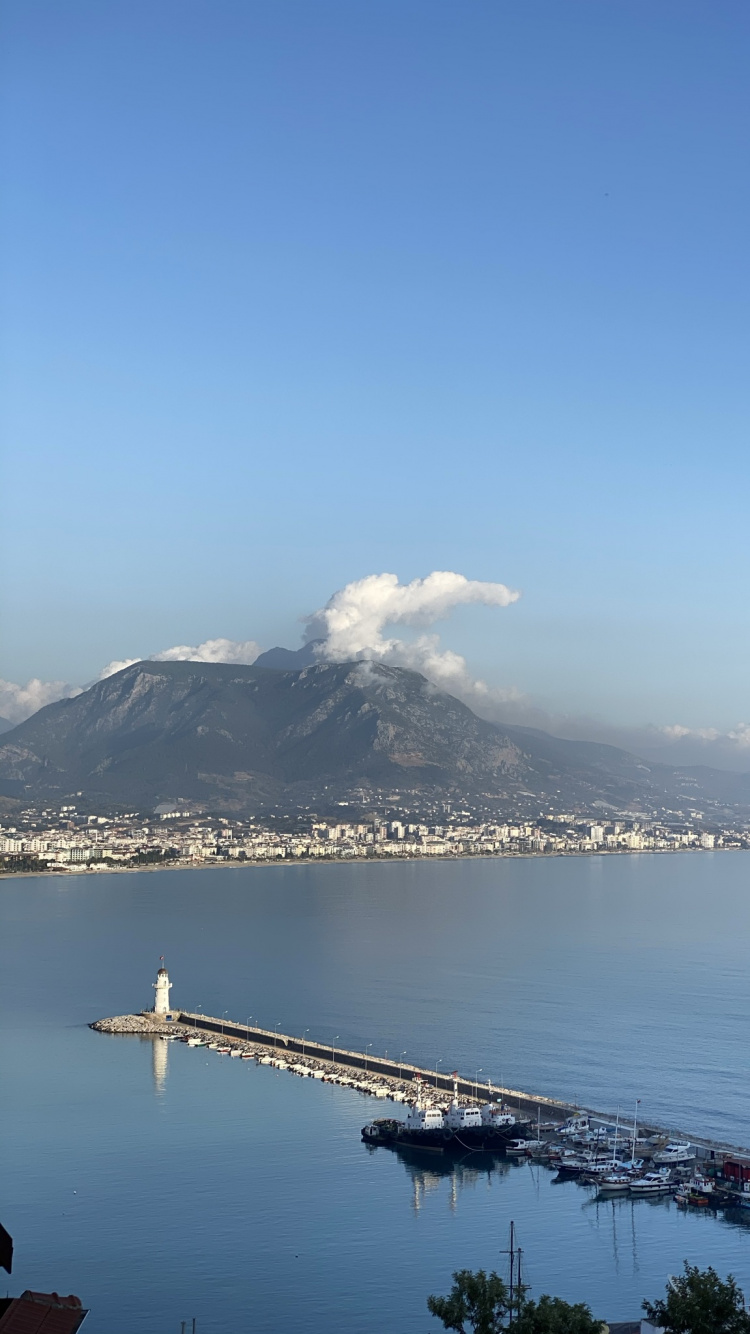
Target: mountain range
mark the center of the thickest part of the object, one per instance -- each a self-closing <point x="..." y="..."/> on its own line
<point x="238" y="739"/>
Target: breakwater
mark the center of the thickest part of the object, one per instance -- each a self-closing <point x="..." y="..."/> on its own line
<point x="396" y="1078"/>
<point x="396" y="1073"/>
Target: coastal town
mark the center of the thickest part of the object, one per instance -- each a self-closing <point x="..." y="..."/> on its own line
<point x="67" y="840"/>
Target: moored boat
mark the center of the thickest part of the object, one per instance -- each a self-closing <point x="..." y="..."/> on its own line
<point x="653" y="1183"/>
<point x="699" y="1192"/>
<point x="676" y="1153"/>
<point x="488" y="1129"/>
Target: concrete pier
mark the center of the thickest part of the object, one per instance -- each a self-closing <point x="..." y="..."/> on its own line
<point x="550" y="1108"/>
<point x="396" y="1074"/>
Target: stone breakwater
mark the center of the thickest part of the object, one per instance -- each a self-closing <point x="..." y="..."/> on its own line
<point x="367" y="1074"/>
<point x="137" y="1023"/>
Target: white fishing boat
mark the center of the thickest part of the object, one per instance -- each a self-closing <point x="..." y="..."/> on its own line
<point x="517" y="1148"/>
<point x="575" y="1125"/>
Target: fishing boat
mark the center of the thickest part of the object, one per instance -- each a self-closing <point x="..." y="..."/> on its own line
<point x="699" y="1192"/>
<point x="457" y="1130"/>
<point x="575" y="1125"/>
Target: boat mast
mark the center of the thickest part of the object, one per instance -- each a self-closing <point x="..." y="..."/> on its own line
<point x="617" y="1131"/>
<point x="635" y="1130"/>
<point x="515" y="1291"/>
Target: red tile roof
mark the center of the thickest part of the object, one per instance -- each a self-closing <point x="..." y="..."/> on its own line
<point x="42" y="1313"/>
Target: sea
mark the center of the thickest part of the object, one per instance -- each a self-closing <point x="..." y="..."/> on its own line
<point x="165" y="1184"/>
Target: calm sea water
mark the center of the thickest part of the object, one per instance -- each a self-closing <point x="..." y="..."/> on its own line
<point x="162" y="1183"/>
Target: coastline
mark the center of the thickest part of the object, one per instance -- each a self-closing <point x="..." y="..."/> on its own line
<point x="236" y="865"/>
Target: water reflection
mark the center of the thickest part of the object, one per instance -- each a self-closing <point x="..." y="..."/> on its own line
<point x="159" y="1064"/>
<point x="428" y="1171"/>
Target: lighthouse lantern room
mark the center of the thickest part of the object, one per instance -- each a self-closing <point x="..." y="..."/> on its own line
<point x="162" y="987"/>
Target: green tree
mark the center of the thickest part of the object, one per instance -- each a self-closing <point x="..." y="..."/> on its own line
<point x="551" y="1315"/>
<point x="477" y="1301"/>
<point x="699" y="1302"/>
<point x="481" y="1303"/>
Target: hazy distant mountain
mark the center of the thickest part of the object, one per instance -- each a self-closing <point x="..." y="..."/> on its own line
<point x="5" y="725"/>
<point x="289" y="659"/>
<point x="243" y="738"/>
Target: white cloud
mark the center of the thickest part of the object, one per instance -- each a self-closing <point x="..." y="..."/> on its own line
<point x="351" y="627"/>
<point x="738" y="736"/>
<point x="211" y="650"/>
<point x="17" y="702"/>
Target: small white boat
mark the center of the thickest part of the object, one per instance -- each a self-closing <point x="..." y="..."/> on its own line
<point x="517" y="1148"/>
<point x="615" y="1183"/>
<point x="677" y="1152"/>
<point x="575" y="1125"/>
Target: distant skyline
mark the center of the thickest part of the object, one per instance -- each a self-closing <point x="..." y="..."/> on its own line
<point x="302" y="294"/>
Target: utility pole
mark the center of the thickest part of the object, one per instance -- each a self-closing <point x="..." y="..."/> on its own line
<point x="515" y="1289"/>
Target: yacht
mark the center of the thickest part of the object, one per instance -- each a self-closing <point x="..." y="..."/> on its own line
<point x="653" y="1183"/>
<point x="677" y="1152"/>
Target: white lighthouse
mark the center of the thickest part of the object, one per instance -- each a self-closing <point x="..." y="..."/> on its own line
<point x="162" y="987"/>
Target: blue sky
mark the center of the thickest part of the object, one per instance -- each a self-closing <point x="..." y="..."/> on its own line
<point x="300" y="292"/>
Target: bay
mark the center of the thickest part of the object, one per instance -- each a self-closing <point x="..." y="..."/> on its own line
<point x="162" y="1184"/>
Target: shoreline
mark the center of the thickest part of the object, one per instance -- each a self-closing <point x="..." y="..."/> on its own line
<point x="236" y="865"/>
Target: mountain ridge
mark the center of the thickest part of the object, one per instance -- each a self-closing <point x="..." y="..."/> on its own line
<point x="253" y="738"/>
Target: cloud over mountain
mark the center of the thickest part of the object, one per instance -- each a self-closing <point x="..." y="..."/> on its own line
<point x="352" y="624"/>
<point x="211" y="650"/>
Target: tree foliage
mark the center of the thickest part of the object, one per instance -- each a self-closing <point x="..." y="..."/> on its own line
<point x="481" y="1303"/>
<point x="699" y="1302"/>
<point x="551" y="1315"/>
<point x="477" y="1301"/>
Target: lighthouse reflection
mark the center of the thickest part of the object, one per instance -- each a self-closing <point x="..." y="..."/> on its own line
<point x="431" y="1172"/>
<point x="159" y="1064"/>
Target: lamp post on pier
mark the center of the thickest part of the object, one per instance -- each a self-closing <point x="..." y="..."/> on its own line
<point x="400" y="1070"/>
<point x="223" y="1017"/>
<point x="367" y="1048"/>
<point x="276" y="1028"/>
<point x="249" y="1017"/>
<point x="480" y="1071"/>
<point x="303" y="1040"/>
<point x="333" y="1050"/>
<point x="437" y="1063"/>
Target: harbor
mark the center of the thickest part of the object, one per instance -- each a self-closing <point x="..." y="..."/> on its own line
<point x="597" y="1149"/>
<point x="245" y="1165"/>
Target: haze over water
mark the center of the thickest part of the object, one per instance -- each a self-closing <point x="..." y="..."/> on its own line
<point x="162" y="1183"/>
